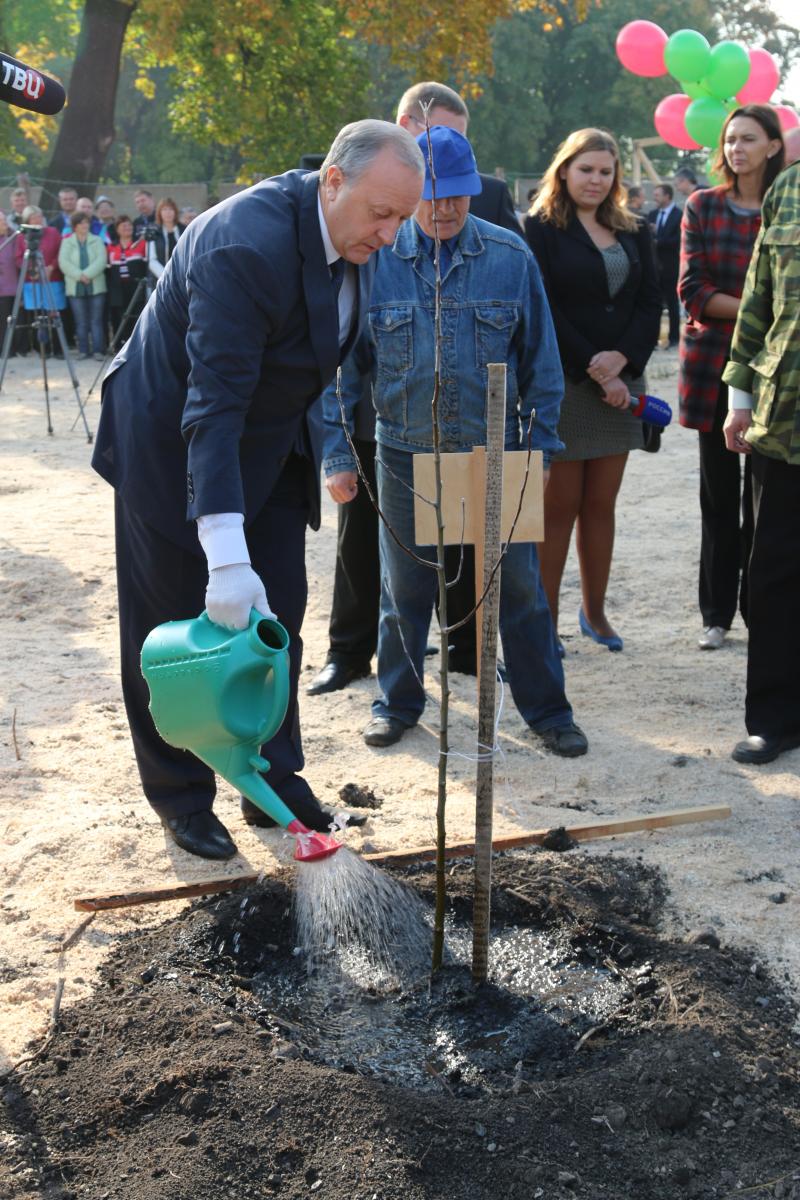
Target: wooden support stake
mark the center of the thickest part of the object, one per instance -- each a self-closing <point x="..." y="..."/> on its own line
<point x="399" y="858"/>
<point x="487" y="546"/>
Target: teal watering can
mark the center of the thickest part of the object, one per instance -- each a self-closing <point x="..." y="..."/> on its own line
<point x="222" y="694"/>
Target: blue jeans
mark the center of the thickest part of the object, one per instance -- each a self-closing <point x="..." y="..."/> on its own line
<point x="89" y="313"/>
<point x="408" y="590"/>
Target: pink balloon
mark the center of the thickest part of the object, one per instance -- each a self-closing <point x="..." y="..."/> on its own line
<point x="764" y="78"/>
<point x="640" y="48"/>
<point x="787" y="117"/>
<point x="670" y="122"/>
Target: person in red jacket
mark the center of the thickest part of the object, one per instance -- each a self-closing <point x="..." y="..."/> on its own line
<point x="127" y="265"/>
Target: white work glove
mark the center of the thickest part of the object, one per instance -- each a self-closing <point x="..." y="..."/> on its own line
<point x="232" y="592"/>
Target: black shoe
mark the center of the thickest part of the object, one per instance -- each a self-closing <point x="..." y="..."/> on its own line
<point x="430" y="650"/>
<point x="309" y="811"/>
<point x="334" y="676"/>
<point x="200" y="833"/>
<point x="759" y="750"/>
<point x="384" y="731"/>
<point x="568" y="741"/>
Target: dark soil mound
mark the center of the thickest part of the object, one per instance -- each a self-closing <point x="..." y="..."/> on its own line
<point x="189" y="1075"/>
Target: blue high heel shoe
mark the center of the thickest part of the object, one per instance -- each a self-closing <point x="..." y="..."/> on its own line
<point x="612" y="643"/>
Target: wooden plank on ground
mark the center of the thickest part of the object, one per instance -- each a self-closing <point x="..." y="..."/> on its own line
<point x="580" y="833"/>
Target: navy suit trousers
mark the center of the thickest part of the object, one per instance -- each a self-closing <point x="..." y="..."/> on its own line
<point x="157" y="581"/>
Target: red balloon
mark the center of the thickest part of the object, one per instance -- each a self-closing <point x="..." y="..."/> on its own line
<point x="640" y="48"/>
<point x="787" y="117"/>
<point x="670" y="122"/>
<point x="763" y="79"/>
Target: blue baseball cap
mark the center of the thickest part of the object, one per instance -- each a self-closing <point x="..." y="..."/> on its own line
<point x="454" y="162"/>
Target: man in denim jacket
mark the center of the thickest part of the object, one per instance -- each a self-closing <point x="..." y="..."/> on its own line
<point x="493" y="310"/>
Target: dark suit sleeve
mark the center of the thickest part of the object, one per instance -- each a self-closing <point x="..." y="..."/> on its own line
<point x="639" y="339"/>
<point x="575" y="348"/>
<point x="233" y="309"/>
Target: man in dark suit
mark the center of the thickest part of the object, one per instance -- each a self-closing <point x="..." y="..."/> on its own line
<point x="353" y="630"/>
<point x="206" y="432"/>
<point x="665" y="223"/>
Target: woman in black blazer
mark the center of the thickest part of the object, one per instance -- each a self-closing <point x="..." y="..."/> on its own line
<point x="599" y="271"/>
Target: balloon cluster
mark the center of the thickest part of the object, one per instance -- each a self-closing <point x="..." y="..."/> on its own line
<point x="715" y="80"/>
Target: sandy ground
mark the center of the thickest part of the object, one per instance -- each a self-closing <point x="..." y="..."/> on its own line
<point x="661" y="718"/>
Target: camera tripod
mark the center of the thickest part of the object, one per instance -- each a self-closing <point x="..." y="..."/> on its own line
<point x="46" y="319"/>
<point x="144" y="286"/>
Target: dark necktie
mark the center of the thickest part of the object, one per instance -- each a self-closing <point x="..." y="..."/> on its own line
<point x="660" y="222"/>
<point x="337" y="270"/>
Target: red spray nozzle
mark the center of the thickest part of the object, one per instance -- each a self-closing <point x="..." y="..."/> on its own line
<point x="310" y="844"/>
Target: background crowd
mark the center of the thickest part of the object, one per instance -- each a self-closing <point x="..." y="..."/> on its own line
<point x="100" y="266"/>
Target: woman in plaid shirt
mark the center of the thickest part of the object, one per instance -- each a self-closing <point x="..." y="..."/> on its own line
<point x="719" y="229"/>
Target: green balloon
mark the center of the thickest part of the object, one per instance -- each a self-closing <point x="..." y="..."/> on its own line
<point x="704" y="119"/>
<point x="714" y="178"/>
<point x="729" y="70"/>
<point x="695" y="91"/>
<point x="687" y="55"/>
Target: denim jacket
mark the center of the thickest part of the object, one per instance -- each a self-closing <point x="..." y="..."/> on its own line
<point x="494" y="310"/>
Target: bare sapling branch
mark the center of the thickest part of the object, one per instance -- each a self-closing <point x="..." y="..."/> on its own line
<point x="444" y="699"/>
<point x="373" y="498"/>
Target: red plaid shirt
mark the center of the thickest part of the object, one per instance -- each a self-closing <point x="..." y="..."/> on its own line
<point x="716" y="245"/>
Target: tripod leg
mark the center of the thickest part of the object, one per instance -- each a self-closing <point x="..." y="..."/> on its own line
<point x="112" y="348"/>
<point x="56" y="323"/>
<point x="41" y="335"/>
<point x="11" y="325"/>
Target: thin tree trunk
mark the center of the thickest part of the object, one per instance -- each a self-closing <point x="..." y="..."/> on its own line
<point x="87" y="127"/>
<point x="444" y="703"/>
<point x="490" y="610"/>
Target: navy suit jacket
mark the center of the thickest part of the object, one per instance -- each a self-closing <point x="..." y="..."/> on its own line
<point x="207" y="399"/>
<point x="668" y="242"/>
<point x="494" y="204"/>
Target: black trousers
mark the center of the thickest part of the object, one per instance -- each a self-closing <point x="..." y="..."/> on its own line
<point x="726" y="508"/>
<point x="157" y="581"/>
<point x="353" y="627"/>
<point x="669" y="297"/>
<point x="772" y="706"/>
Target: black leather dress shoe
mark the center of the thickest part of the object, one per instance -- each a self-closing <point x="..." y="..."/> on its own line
<point x="567" y="741"/>
<point x="200" y="833"/>
<point x="334" y="676"/>
<point x="309" y="811"/>
<point x="384" y="731"/>
<point x="757" y="750"/>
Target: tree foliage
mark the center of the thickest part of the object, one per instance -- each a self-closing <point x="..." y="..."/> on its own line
<point x="553" y="77"/>
<point x="244" y="87"/>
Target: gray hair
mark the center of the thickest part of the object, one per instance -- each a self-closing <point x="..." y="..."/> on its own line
<point x="356" y="145"/>
<point x="32" y="210"/>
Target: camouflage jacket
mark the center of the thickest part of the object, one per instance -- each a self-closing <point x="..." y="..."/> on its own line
<point x="765" y="353"/>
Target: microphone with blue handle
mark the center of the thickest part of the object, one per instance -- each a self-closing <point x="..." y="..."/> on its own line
<point x="651" y="409"/>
